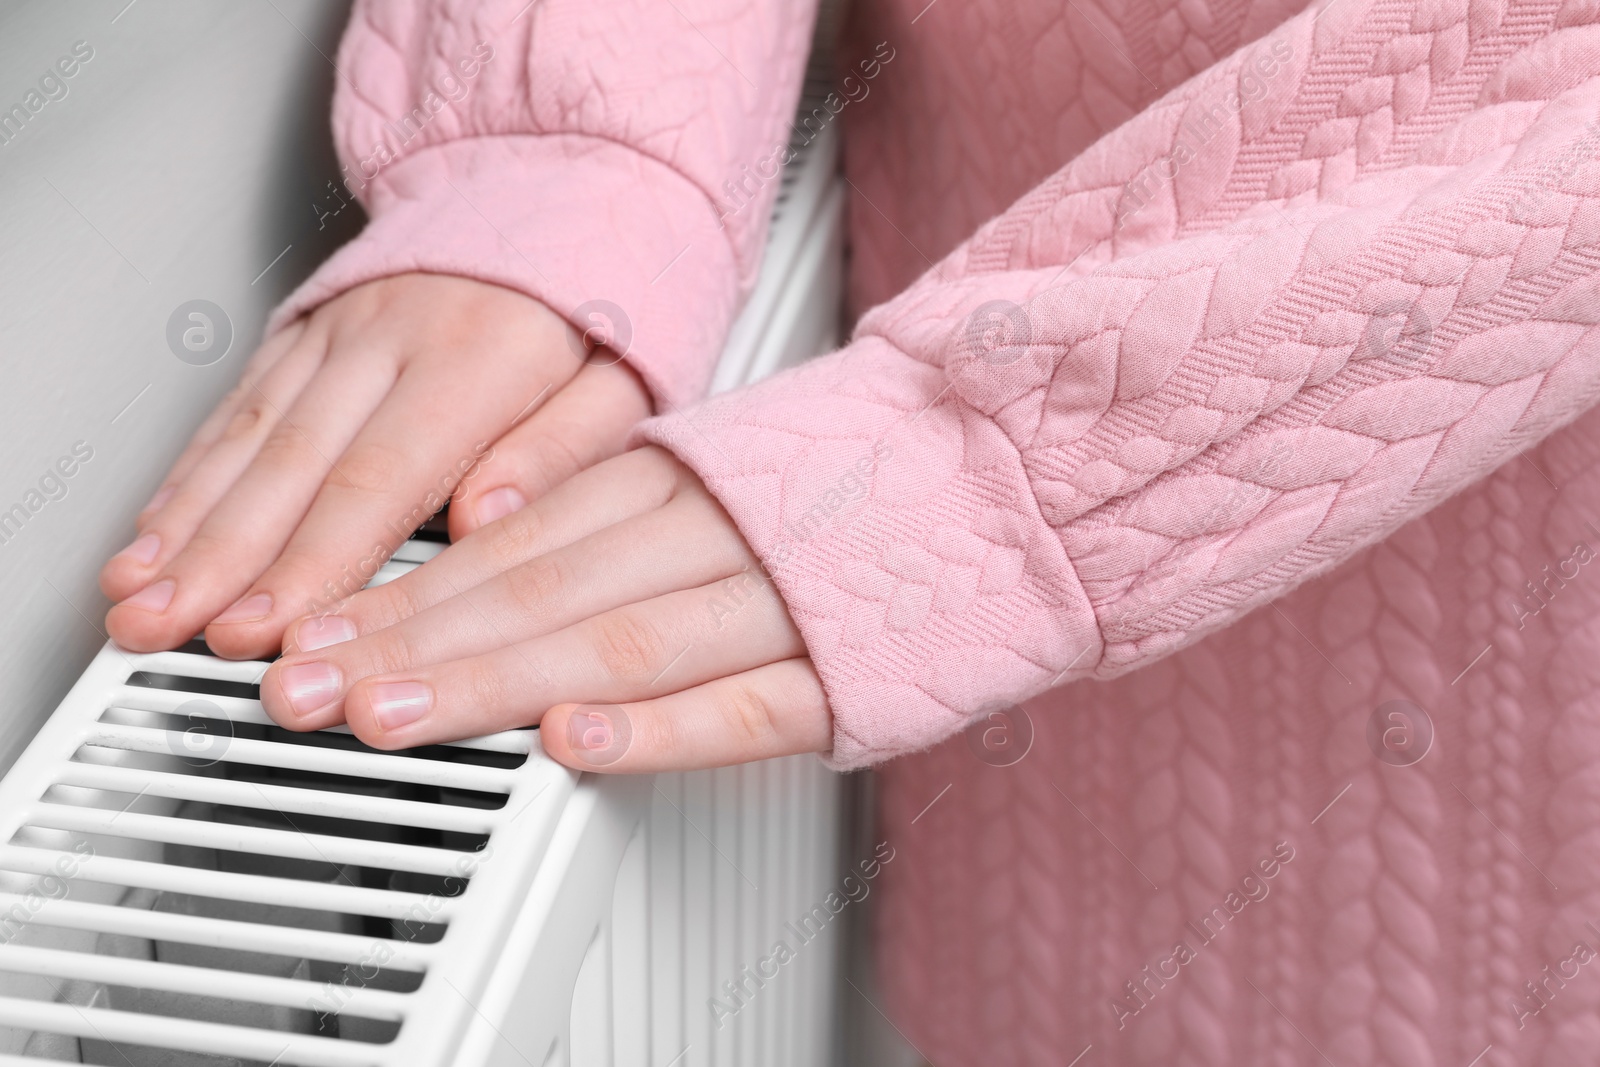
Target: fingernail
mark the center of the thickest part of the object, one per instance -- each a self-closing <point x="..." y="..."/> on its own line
<point x="154" y="597"/>
<point x="310" y="685"/>
<point x="143" y="550"/>
<point x="497" y="504"/>
<point x="248" y="609"/>
<point x="397" y="704"/>
<point x="322" y="631"/>
<point x="590" y="730"/>
<point x="162" y="496"/>
<point x="599" y="737"/>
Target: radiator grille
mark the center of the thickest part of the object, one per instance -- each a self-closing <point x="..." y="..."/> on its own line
<point x="313" y="900"/>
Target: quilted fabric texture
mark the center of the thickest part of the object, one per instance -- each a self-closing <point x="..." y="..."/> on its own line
<point x="1184" y="319"/>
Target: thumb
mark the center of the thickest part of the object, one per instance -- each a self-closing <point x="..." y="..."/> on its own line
<point x="776" y="710"/>
<point x="586" y="421"/>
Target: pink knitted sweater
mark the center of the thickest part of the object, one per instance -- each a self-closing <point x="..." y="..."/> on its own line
<point x="1174" y="306"/>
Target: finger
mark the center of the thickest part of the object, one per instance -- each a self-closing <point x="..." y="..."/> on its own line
<point x="604" y="571"/>
<point x="401" y="468"/>
<point x="635" y="652"/>
<point x="776" y="710"/>
<point x="585" y="422"/>
<point x="245" y="530"/>
<point x="632" y="484"/>
<point x="168" y="531"/>
<point x="211" y="430"/>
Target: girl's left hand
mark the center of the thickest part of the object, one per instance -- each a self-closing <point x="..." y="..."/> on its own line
<point x="622" y="612"/>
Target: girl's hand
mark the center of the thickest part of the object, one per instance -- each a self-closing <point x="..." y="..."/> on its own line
<point x="349" y="429"/>
<point x="622" y="612"/>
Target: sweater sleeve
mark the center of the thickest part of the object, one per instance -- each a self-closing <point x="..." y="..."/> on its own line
<point x="574" y="151"/>
<point x="1190" y="370"/>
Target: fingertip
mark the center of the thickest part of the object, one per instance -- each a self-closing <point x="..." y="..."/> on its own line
<point x="250" y="608"/>
<point x="290" y="643"/>
<point x="477" y="510"/>
<point x="276" y="704"/>
<point x="117" y="581"/>
<point x="130" y="570"/>
<point x="141" y="623"/>
<point x="552" y="731"/>
<point x="312" y="632"/>
<point x="496" y="504"/>
<point x="262" y="623"/>
<point x="587" y="737"/>
<point x="244" y="640"/>
<point x="364" y="714"/>
<point x="303" y="695"/>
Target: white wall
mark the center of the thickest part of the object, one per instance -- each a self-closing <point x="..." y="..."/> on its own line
<point x="186" y="155"/>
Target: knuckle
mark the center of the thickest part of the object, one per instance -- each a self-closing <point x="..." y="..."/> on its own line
<point x="394" y="651"/>
<point x="534" y="585"/>
<point x="391" y="602"/>
<point x="514" y="539"/>
<point x="627" y="645"/>
<point x="370" y="467"/>
<point x="660" y="734"/>
<point x="252" y="415"/>
<point x="284" y="448"/>
<point x="752" y="716"/>
<point x="482" y="686"/>
<point x="235" y="398"/>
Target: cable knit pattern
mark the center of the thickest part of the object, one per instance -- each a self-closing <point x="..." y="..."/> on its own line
<point x="1279" y="957"/>
<point x="1564" y="743"/>
<point x="1494" y="758"/>
<point x="1183" y="429"/>
<point x="1380" y="942"/>
<point x="1225" y="373"/>
<point x="1397" y="935"/>
<point x="1182" y="818"/>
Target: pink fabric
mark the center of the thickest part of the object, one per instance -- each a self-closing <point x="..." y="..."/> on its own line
<point x="570" y="150"/>
<point x="1173" y="308"/>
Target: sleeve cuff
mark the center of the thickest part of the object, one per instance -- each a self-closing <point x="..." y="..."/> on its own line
<point x="570" y="220"/>
<point x="901" y="531"/>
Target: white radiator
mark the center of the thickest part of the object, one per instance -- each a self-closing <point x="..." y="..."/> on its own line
<point x="183" y="883"/>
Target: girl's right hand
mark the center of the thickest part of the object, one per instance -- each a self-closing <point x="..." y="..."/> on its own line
<point x="348" y="429"/>
<point x="624" y="614"/>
